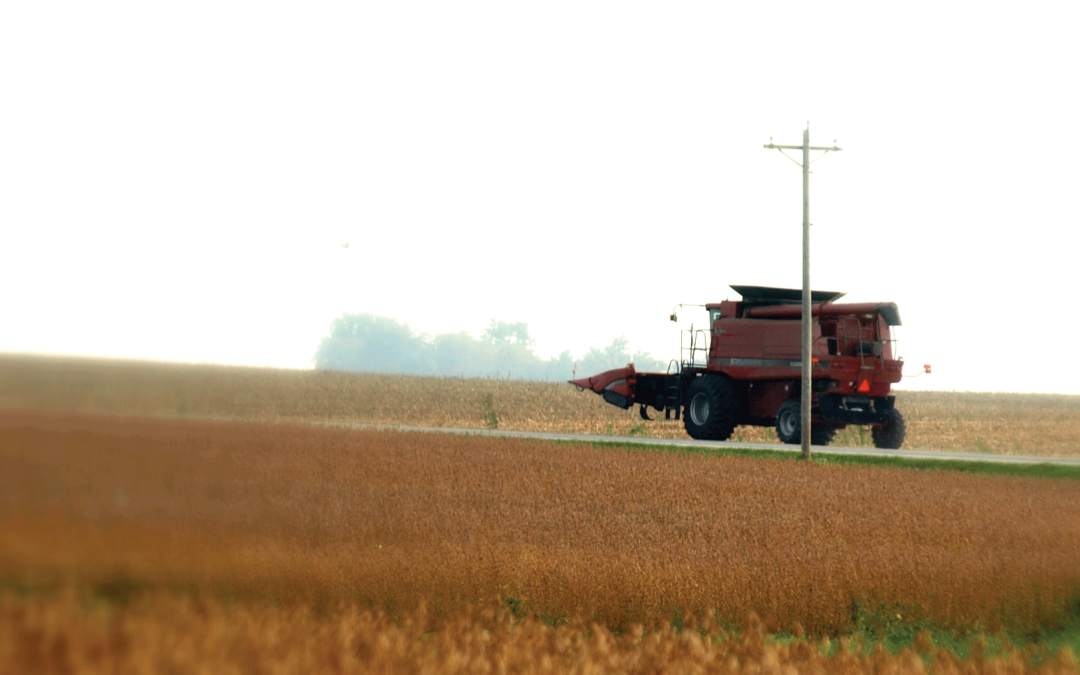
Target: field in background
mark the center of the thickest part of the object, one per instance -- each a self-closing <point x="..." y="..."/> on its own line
<point x="1034" y="424"/>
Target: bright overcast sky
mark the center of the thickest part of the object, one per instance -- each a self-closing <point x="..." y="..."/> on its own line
<point x="175" y="178"/>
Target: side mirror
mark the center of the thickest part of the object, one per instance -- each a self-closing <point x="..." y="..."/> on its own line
<point x="674" y="317"/>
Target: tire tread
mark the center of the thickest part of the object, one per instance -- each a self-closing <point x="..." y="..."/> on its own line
<point x="723" y="409"/>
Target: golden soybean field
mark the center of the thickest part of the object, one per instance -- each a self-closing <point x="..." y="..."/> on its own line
<point x="130" y="544"/>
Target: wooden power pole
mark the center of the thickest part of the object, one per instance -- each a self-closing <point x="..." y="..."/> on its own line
<point x="807" y="318"/>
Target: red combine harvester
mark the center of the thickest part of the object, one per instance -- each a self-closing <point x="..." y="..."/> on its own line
<point x="747" y="369"/>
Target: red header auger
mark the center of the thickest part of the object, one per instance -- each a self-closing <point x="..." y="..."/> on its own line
<point x="746" y="370"/>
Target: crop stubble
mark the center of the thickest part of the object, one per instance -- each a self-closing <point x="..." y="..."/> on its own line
<point x="391" y="519"/>
<point x="1034" y="424"/>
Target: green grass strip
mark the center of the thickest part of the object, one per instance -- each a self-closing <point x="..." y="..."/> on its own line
<point x="990" y="468"/>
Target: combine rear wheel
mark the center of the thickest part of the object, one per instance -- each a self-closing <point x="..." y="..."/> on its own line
<point x="789" y="426"/>
<point x="789" y="422"/>
<point x="821" y="435"/>
<point x="711" y="409"/>
<point x="891" y="434"/>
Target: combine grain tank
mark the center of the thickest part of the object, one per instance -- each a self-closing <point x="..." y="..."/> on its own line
<point x="747" y="369"/>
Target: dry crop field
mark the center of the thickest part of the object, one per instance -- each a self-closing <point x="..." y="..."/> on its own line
<point x="298" y="548"/>
<point x="1034" y="424"/>
<point x="160" y="632"/>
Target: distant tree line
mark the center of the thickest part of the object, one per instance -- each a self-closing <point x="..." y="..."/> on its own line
<point x="370" y="343"/>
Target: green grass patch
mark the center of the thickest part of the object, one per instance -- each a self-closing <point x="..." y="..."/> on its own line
<point x="1042" y="470"/>
<point x="897" y="628"/>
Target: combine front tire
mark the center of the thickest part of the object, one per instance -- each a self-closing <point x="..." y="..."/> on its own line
<point x="789" y="426"/>
<point x="711" y="409"/>
<point x="891" y="434"/>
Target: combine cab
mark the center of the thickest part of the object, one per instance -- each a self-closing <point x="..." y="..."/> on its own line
<point x="747" y="369"/>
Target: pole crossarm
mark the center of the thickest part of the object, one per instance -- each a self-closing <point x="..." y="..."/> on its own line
<point x="770" y="146"/>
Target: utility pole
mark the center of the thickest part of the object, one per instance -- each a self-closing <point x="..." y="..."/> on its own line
<point x="807" y="317"/>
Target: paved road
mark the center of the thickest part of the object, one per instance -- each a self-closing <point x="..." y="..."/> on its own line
<point x="690" y="443"/>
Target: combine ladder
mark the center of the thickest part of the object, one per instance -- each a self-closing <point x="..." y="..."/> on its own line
<point x="673" y="389"/>
<point x="694" y="355"/>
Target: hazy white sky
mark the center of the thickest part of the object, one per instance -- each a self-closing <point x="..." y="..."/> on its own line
<point x="174" y="177"/>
